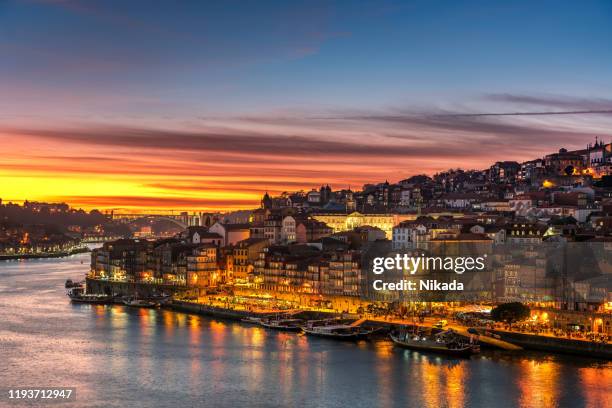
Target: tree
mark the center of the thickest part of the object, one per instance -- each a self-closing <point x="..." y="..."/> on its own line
<point x="510" y="312"/>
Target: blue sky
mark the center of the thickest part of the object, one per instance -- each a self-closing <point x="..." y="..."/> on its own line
<point x="235" y="57"/>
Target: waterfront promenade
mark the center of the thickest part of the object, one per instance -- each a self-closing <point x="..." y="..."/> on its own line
<point x="237" y="307"/>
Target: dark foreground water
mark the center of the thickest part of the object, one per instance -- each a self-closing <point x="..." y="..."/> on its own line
<point x="122" y="357"/>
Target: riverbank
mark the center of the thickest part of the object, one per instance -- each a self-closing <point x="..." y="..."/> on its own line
<point x="239" y="315"/>
<point x="45" y="255"/>
<point x="499" y="339"/>
<point x="557" y="344"/>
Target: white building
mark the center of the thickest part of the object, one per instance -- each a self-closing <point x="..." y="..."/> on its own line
<point x="272" y="230"/>
<point x="288" y="228"/>
<point x="407" y="234"/>
<point x="314" y="197"/>
<point x="496" y="233"/>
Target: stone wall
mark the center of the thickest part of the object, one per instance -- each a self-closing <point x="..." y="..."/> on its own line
<point x="556" y="344"/>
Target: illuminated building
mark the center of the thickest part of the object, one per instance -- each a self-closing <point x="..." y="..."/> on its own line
<point x="202" y="268"/>
<point x="348" y="222"/>
<point x="245" y="253"/>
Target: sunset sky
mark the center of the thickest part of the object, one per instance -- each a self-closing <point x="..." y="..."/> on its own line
<point x="207" y="105"/>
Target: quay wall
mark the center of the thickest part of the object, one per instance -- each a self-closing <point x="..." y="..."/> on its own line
<point x="97" y="286"/>
<point x="207" y="310"/>
<point x="231" y="314"/>
<point x="556" y="344"/>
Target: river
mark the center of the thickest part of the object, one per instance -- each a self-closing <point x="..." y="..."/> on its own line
<point x="117" y="356"/>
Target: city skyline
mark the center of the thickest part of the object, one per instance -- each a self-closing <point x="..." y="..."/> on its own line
<point x="219" y="105"/>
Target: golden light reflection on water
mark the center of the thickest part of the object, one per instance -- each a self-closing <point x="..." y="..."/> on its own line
<point x="217" y="349"/>
<point x="456" y="380"/>
<point x="597" y="386"/>
<point x="169" y="320"/>
<point x="253" y="340"/>
<point x="384" y="374"/>
<point x="148" y="329"/>
<point x="538" y="383"/>
<point x="194" y="332"/>
<point x="442" y="381"/>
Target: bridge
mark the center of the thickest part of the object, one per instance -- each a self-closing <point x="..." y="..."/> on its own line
<point x="182" y="219"/>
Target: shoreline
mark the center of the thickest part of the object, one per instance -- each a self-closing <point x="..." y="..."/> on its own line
<point x="44" y="255"/>
<point x="577" y="348"/>
<point x="509" y="341"/>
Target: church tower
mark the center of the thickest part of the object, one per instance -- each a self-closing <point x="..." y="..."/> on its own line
<point x="266" y="202"/>
<point x="351" y="206"/>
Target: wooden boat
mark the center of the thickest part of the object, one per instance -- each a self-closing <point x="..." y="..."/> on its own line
<point x="252" y="320"/>
<point x="134" y="302"/>
<point x="77" y="295"/>
<point x="435" y="344"/>
<point x="294" y="325"/>
<point x="338" y="331"/>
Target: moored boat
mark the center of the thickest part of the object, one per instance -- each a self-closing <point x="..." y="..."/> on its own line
<point x="334" y="330"/>
<point x="134" y="302"/>
<point x="77" y="295"/>
<point x="252" y="320"/>
<point x="294" y="325"/>
<point x="440" y="344"/>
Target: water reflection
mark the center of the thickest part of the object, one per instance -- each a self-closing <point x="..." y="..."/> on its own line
<point x="596" y="386"/>
<point x="539" y="383"/>
<point x="158" y="358"/>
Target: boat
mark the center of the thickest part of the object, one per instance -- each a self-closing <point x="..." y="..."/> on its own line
<point x="334" y="330"/>
<point x="77" y="295"/>
<point x="294" y="325"/>
<point x="161" y="300"/>
<point x="441" y="343"/>
<point x="135" y="302"/>
<point x="252" y="320"/>
<point x="71" y="284"/>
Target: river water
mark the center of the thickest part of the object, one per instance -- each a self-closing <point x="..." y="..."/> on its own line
<point x="116" y="356"/>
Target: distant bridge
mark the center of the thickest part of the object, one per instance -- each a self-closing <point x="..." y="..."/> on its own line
<point x="182" y="220"/>
<point x="179" y="219"/>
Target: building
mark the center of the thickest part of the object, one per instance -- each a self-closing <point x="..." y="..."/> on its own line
<point x="245" y="253"/>
<point x="342" y="275"/>
<point x="564" y="163"/>
<point x="348" y="222"/>
<point x="202" y="267"/>
<point x="288" y="229"/>
<point x="416" y="233"/>
<point x="460" y="200"/>
<point x="525" y="233"/>
<point x="311" y="230"/>
<point x="124" y="259"/>
<point x="272" y="229"/>
<point x="314" y="197"/>
<point x="231" y="233"/>
<point x="497" y="233"/>
<point x="504" y="172"/>
<point x="201" y="235"/>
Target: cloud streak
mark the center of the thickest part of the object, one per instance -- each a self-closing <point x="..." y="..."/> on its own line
<point x="226" y="162"/>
